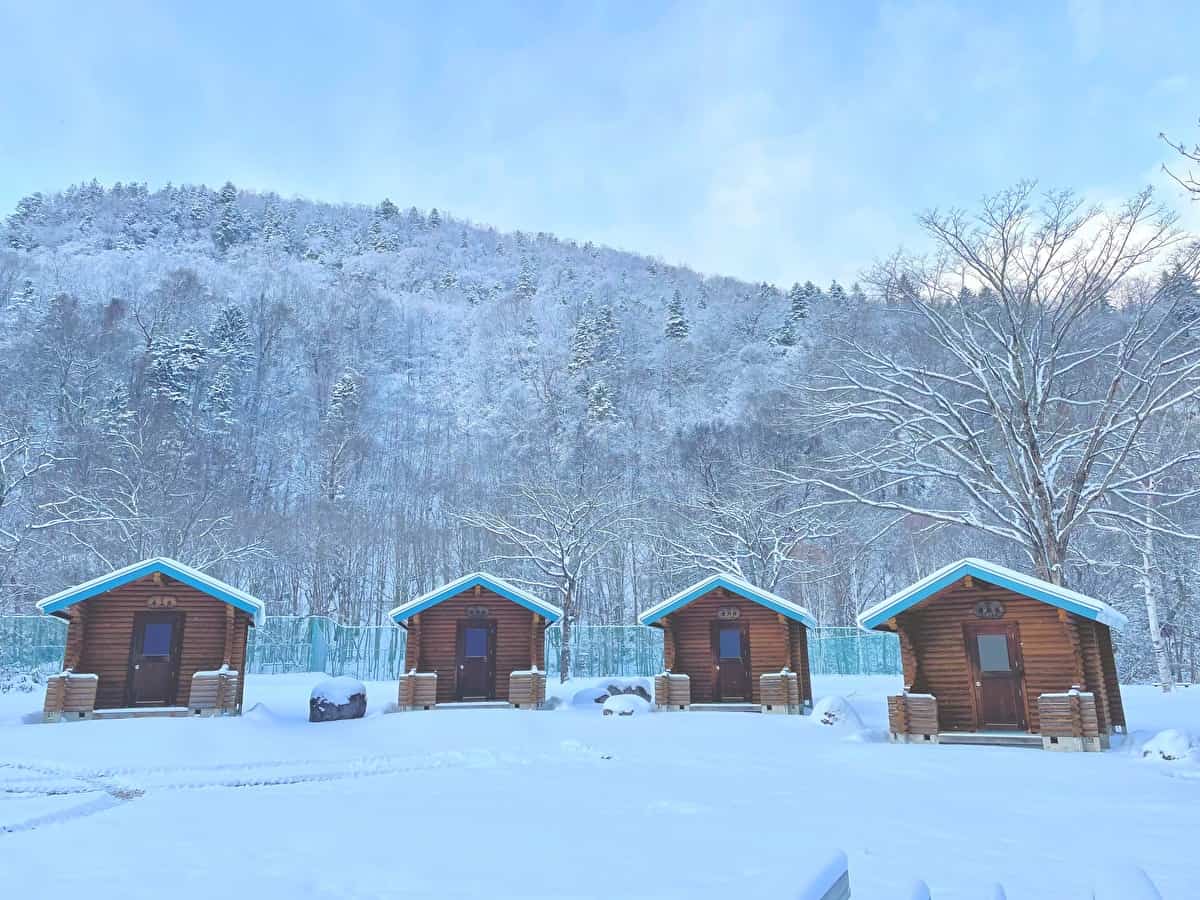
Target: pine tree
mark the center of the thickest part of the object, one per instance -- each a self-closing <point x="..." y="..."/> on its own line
<point x="600" y="405"/>
<point x="272" y="229"/>
<point x="230" y="335"/>
<point x="837" y="295"/>
<point x="435" y="219"/>
<point x="677" y="323"/>
<point x="229" y="230"/>
<point x="219" y="403"/>
<point x="173" y="367"/>
<point x="526" y="280"/>
<point x="228" y="193"/>
<point x="387" y="210"/>
<point x="798" y="299"/>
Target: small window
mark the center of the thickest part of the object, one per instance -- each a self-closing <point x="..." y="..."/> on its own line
<point x="993" y="653"/>
<point x="730" y="643"/>
<point x="475" y="642"/>
<point x="156" y="639"/>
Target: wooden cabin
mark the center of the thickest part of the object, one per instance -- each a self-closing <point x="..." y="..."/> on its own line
<point x="725" y="635"/>
<point x="476" y="634"/>
<point x="154" y="637"/>
<point x="988" y="649"/>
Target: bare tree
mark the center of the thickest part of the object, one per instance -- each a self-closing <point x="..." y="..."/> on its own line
<point x="1021" y="413"/>
<point x="1188" y="180"/>
<point x="558" y="530"/>
<point x="754" y="534"/>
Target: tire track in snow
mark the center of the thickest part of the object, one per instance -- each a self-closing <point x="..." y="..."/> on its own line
<point x="119" y="785"/>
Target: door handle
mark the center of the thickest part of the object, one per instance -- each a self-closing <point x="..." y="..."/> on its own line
<point x="979" y="684"/>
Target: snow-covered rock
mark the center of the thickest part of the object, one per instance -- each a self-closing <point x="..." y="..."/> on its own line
<point x="625" y="705"/>
<point x="338" y="698"/>
<point x="1172" y="745"/>
<point x="589" y="696"/>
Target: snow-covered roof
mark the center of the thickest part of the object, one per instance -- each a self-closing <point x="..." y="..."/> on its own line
<point x="735" y="585"/>
<point x="1026" y="585"/>
<point x="467" y="582"/>
<point x="238" y="599"/>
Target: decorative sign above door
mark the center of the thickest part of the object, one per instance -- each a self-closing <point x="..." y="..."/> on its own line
<point x="729" y="612"/>
<point x="477" y="612"/>
<point x="989" y="609"/>
<point x="160" y="601"/>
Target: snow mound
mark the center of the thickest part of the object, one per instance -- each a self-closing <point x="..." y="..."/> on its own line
<point x="338" y="691"/>
<point x="836" y="712"/>
<point x="1124" y="882"/>
<point x="588" y="696"/>
<point x="1172" y="745"/>
<point x="625" y="705"/>
<point x="824" y="878"/>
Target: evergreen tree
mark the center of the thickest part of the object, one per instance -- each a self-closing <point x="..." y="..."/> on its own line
<point x="219" y="403"/>
<point x="173" y="367"/>
<point x="272" y="229"/>
<point x="837" y="295"/>
<point x="600" y="404"/>
<point x="229" y="230"/>
<point x="228" y="193"/>
<point x="798" y="300"/>
<point x="387" y="210"/>
<point x="230" y="335"/>
<point x="526" y="280"/>
<point x="435" y="219"/>
<point x="677" y="323"/>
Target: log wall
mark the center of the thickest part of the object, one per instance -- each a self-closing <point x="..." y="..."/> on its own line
<point x="100" y="635"/>
<point x="690" y="652"/>
<point x="1058" y="649"/>
<point x="432" y="644"/>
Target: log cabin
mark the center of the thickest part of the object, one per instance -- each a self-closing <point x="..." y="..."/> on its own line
<point x="476" y="635"/>
<point x="724" y="634"/>
<point x="989" y="650"/>
<point x="156" y="637"/>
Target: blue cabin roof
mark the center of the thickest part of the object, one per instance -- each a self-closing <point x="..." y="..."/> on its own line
<point x="206" y="584"/>
<point x="496" y="585"/>
<point x="734" y="585"/>
<point x="1025" y="585"/>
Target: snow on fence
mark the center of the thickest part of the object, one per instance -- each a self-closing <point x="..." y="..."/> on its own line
<point x="376" y="652"/>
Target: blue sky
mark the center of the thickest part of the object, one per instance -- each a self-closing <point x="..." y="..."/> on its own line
<point x="767" y="141"/>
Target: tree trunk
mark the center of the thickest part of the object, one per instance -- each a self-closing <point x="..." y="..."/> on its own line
<point x="1162" y="661"/>
<point x="564" y="649"/>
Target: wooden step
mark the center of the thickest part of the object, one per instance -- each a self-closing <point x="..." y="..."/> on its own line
<point x="991" y="738"/>
<point x="141" y="712"/>
<point x="726" y="707"/>
<point x="476" y="704"/>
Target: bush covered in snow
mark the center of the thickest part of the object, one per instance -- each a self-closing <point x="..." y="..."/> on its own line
<point x="13" y="679"/>
<point x="625" y="705"/>
<point x="836" y="712"/>
<point x="1172" y="745"/>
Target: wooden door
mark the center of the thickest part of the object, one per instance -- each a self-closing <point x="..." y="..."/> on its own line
<point x="476" y="656"/>
<point x="154" y="658"/>
<point x="994" y="651"/>
<point x="731" y="661"/>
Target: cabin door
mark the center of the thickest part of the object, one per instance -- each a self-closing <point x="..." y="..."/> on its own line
<point x="154" y="658"/>
<point x="476" y="660"/>
<point x="731" y="660"/>
<point x="994" y="650"/>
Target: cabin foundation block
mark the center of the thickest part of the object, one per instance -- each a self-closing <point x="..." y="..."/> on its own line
<point x="418" y="690"/>
<point x="672" y="693"/>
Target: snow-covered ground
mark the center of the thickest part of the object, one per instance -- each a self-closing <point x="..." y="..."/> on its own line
<point x="570" y="803"/>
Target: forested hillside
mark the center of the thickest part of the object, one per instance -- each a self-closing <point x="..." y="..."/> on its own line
<point x="337" y="407"/>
